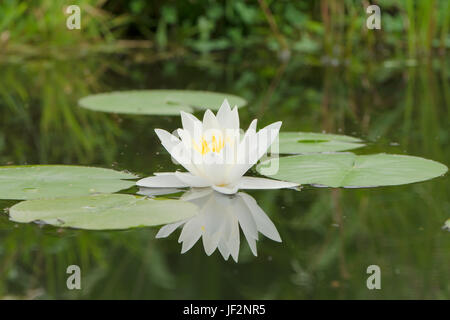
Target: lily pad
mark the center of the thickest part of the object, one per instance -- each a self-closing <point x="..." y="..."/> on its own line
<point x="350" y="170"/>
<point x="311" y="142"/>
<point x="102" y="212"/>
<point x="158" y="102"/>
<point x="57" y="181"/>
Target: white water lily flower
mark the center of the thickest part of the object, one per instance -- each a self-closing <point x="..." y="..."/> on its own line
<point x="215" y="154"/>
<point x="218" y="222"/>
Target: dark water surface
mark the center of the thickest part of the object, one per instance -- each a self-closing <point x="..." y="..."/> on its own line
<point x="330" y="236"/>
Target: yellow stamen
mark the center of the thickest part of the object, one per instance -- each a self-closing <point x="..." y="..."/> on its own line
<point x="215" y="145"/>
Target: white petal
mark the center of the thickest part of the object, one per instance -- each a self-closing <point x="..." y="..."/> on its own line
<point x="251" y="128"/>
<point x="263" y="222"/>
<point x="185" y="137"/>
<point x="225" y="164"/>
<point x="267" y="136"/>
<point x="162" y="181"/>
<point x="224" y="111"/>
<point x="192" y="180"/>
<point x="245" y="157"/>
<point x="234" y="153"/>
<point x="233" y="120"/>
<point x="210" y="121"/>
<point x="169" y="141"/>
<point x="263" y="183"/>
<point x="167" y="230"/>
<point x="227" y="118"/>
<point x="252" y="125"/>
<point x="214" y="167"/>
<point x="253" y="147"/>
<point x="191" y="124"/>
<point x="226" y="189"/>
<point x="177" y="149"/>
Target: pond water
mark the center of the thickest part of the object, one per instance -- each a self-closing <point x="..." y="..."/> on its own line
<point x="329" y="236"/>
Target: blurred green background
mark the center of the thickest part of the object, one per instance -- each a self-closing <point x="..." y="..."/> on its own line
<point x="312" y="64"/>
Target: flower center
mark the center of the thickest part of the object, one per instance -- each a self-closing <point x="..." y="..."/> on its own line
<point x="215" y="144"/>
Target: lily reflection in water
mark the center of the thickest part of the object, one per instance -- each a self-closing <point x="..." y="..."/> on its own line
<point x="218" y="221"/>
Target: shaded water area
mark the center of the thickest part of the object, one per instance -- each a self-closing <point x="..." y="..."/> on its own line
<point x="330" y="236"/>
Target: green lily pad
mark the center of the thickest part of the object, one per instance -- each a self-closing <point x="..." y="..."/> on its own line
<point x="310" y="142"/>
<point x="350" y="170"/>
<point x="158" y="102"/>
<point x="57" y="181"/>
<point x="102" y="212"/>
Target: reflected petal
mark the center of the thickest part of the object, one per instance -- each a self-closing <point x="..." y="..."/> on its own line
<point x="152" y="192"/>
<point x="224" y="251"/>
<point x="264" y="224"/>
<point x="218" y="221"/>
<point x="191" y="232"/>
<point x="195" y="193"/>
<point x="246" y="222"/>
<point x="210" y="242"/>
<point x="234" y="240"/>
<point x="167" y="230"/>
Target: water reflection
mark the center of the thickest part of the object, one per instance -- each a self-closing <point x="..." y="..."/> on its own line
<point x="40" y="123"/>
<point x="218" y="221"/>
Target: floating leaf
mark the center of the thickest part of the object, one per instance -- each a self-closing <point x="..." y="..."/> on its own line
<point x="158" y="102"/>
<point x="350" y="170"/>
<point x="57" y="181"/>
<point x="310" y="142"/>
<point x="102" y="212"/>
